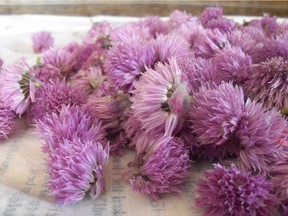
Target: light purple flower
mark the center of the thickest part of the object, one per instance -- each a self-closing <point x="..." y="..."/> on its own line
<point x="99" y="33"/>
<point x="17" y="87"/>
<point x="258" y="136"/>
<point x="42" y="41"/>
<point x="272" y="83"/>
<point x="92" y="81"/>
<point x="177" y="18"/>
<point x="160" y="98"/>
<point x="51" y="96"/>
<point x="232" y="192"/>
<point x="216" y="112"/>
<point x="269" y="25"/>
<point x="161" y="167"/>
<point x="1" y="63"/>
<point x="232" y="64"/>
<point x="210" y="13"/>
<point x="7" y="121"/>
<point x="59" y="58"/>
<point x="155" y="25"/>
<point x="76" y="168"/>
<point x="224" y="25"/>
<point x="126" y="61"/>
<point x="210" y="43"/>
<point x="73" y="122"/>
<point x="46" y="72"/>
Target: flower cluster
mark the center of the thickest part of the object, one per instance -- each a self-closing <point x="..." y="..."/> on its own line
<point x="173" y="90"/>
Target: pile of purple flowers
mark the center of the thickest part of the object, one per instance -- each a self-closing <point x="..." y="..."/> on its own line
<point x="185" y="89"/>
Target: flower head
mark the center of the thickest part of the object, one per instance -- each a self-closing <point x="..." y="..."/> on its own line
<point x="126" y="61"/>
<point x="232" y="192"/>
<point x="6" y="121"/>
<point x="177" y="18"/>
<point x="232" y="64"/>
<point x="46" y="72"/>
<point x="216" y="112"/>
<point x="272" y="87"/>
<point x="160" y="98"/>
<point x="51" y="96"/>
<point x="93" y="82"/>
<point x="42" y="41"/>
<point x="76" y="168"/>
<point x="73" y="122"/>
<point x="59" y="58"/>
<point x="17" y="87"/>
<point x="258" y="136"/>
<point x="210" y="13"/>
<point x="162" y="167"/>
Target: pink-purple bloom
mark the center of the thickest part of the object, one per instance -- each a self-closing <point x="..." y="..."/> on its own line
<point x="7" y="121"/>
<point x="51" y="96"/>
<point x="72" y="123"/>
<point x="233" y="192"/>
<point x="157" y="171"/>
<point x="17" y="87"/>
<point x="216" y="112"/>
<point x="272" y="83"/>
<point x="46" y="72"/>
<point x="160" y="98"/>
<point x="42" y="41"/>
<point x="75" y="168"/>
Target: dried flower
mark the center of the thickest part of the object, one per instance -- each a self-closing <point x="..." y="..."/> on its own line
<point x="76" y="168"/>
<point x="232" y="192"/>
<point x="42" y="41"/>
<point x="161" y="168"/>
<point x="59" y="58"/>
<point x="72" y="122"/>
<point x="258" y="135"/>
<point x="232" y="64"/>
<point x="160" y="98"/>
<point x="92" y="81"/>
<point x="272" y="83"/>
<point x="216" y="112"/>
<point x="7" y="121"/>
<point x="17" y="87"/>
<point x="51" y="96"/>
<point x="126" y="61"/>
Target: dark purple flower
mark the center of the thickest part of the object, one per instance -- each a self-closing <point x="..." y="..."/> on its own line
<point x="76" y="168"/>
<point x="162" y="166"/>
<point x="216" y="112"/>
<point x="51" y="96"/>
<point x="73" y="122"/>
<point x="42" y="41"/>
<point x="272" y="83"/>
<point x="232" y="192"/>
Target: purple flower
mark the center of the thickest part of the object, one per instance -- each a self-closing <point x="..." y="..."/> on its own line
<point x="60" y="58"/>
<point x="46" y="72"/>
<point x="161" y="168"/>
<point x="92" y="81"/>
<point x="51" y="96"/>
<point x="200" y="72"/>
<point x="210" y="13"/>
<point x="160" y="98"/>
<point x="1" y="63"/>
<point x="269" y="25"/>
<point x="7" y="121"/>
<point x="155" y="25"/>
<point x="258" y="136"/>
<point x="232" y="64"/>
<point x="272" y="83"/>
<point x="224" y="25"/>
<point x="42" y="41"/>
<point x="17" y="87"/>
<point x="210" y="43"/>
<point x="126" y="61"/>
<point x="275" y="48"/>
<point x="232" y="192"/>
<point x="73" y="122"/>
<point x="216" y="112"/>
<point x="177" y="18"/>
<point x="246" y="42"/>
<point x="76" y="168"/>
<point x="99" y="33"/>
